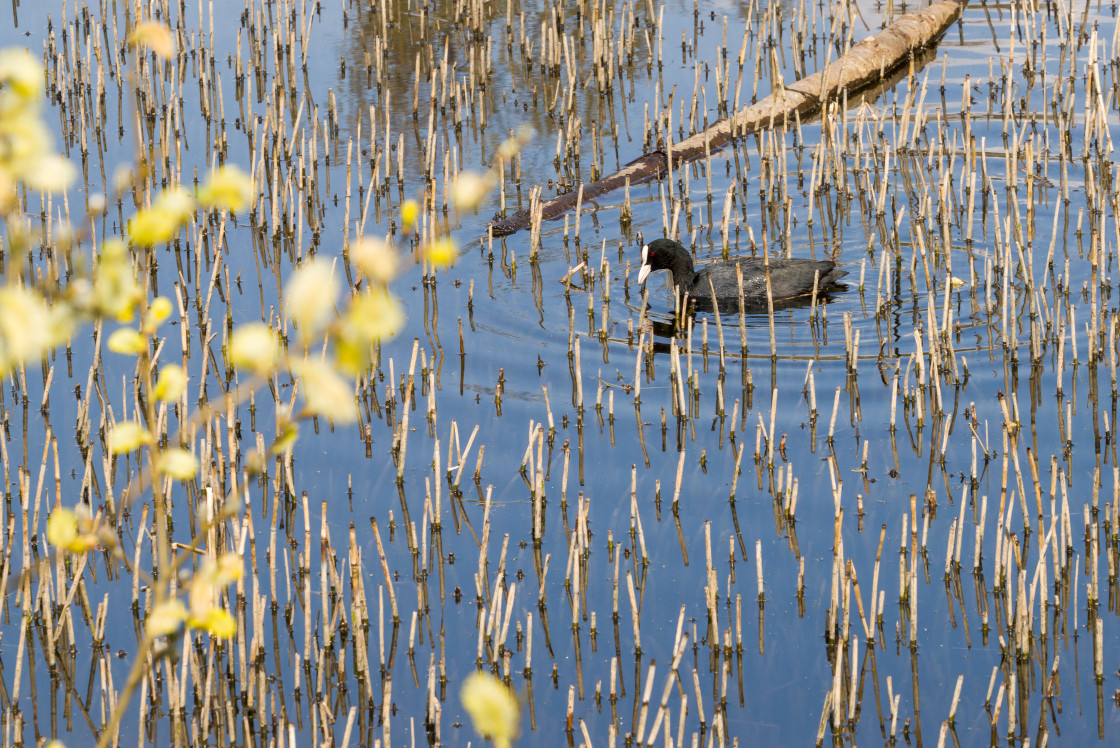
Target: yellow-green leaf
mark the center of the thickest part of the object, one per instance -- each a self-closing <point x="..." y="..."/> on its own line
<point x="127" y="436"/>
<point x="253" y="346"/>
<point x="155" y="36"/>
<point x="62" y="528"/>
<point x="492" y="707"/>
<point x="375" y="258"/>
<point x="310" y="295"/>
<point x="178" y="463"/>
<point x="127" y="341"/>
<point x="228" y="188"/>
<point x="324" y="390"/>
<point x="165" y="618"/>
<point x="172" y="381"/>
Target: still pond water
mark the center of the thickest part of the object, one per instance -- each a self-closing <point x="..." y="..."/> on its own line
<point x="831" y="459"/>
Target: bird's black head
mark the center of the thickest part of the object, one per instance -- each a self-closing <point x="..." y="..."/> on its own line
<point x="660" y="254"/>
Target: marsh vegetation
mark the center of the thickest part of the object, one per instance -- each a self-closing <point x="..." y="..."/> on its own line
<point x="392" y="450"/>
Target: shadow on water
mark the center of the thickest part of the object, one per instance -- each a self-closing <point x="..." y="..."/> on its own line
<point x="758" y="313"/>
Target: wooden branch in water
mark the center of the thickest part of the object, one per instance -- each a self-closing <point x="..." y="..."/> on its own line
<point x="867" y="64"/>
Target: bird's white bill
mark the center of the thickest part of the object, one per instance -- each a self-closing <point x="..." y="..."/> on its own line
<point x="643" y="272"/>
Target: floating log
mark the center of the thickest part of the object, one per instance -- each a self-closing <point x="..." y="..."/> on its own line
<point x="866" y="65"/>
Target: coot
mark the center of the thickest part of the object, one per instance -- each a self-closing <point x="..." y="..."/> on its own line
<point x="788" y="277"/>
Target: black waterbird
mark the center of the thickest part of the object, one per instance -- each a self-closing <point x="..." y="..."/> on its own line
<point x="789" y="278"/>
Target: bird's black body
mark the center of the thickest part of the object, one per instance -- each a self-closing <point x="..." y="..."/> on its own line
<point x="789" y="278"/>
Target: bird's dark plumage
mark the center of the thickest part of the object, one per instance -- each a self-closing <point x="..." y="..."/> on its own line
<point x="789" y="278"/>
